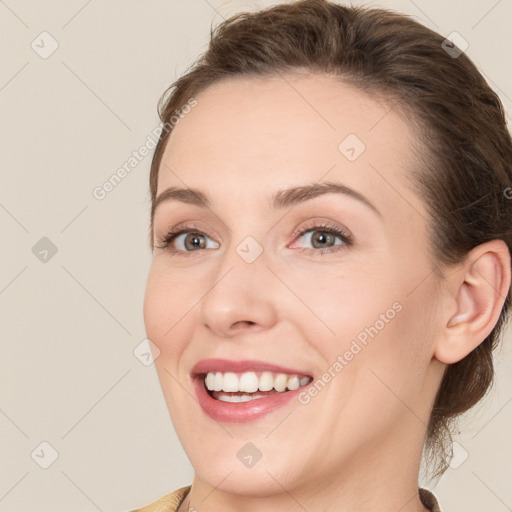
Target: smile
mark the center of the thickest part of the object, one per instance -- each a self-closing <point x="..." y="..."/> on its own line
<point x="242" y="391"/>
<point x="233" y="387"/>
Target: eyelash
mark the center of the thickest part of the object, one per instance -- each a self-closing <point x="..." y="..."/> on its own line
<point x="346" y="239"/>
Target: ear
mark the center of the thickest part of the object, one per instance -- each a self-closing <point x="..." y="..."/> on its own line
<point x="477" y="292"/>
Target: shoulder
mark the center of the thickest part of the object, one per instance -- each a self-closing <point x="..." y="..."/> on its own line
<point x="169" y="503"/>
<point x="429" y="500"/>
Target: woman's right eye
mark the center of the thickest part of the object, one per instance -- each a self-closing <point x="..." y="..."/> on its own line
<point x="185" y="240"/>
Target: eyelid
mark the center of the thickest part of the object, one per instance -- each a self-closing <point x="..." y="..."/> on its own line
<point x="335" y="230"/>
<point x="180" y="228"/>
<point x="319" y="223"/>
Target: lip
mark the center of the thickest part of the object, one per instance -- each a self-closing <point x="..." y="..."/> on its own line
<point x="241" y="412"/>
<point x="247" y="365"/>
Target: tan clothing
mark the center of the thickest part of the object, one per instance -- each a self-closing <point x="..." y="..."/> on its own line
<point x="171" y="502"/>
<point x="168" y="503"/>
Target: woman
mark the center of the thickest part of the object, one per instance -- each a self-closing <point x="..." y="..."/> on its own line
<point x="331" y="236"/>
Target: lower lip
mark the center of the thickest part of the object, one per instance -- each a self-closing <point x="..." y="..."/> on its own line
<point x="241" y="412"/>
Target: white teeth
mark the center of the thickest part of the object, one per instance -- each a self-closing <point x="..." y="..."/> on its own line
<point x="231" y="382"/>
<point x="280" y="382"/>
<point x="293" y="383"/>
<point x="248" y="382"/>
<point x="210" y="381"/>
<point x="266" y="381"/>
<point x="217" y="386"/>
<point x="238" y="398"/>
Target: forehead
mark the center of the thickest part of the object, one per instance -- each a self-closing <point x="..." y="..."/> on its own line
<point x="264" y="133"/>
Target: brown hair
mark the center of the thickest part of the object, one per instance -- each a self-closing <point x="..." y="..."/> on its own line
<point x="465" y="151"/>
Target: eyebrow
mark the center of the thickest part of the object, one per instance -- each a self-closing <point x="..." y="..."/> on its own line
<point x="281" y="199"/>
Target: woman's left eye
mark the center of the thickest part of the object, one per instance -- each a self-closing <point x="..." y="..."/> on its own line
<point x="324" y="239"/>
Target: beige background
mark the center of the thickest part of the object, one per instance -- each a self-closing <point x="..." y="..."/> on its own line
<point x="70" y="324"/>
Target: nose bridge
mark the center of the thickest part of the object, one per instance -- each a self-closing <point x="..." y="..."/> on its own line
<point x="239" y="292"/>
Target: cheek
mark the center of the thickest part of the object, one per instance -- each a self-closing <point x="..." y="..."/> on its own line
<point x="396" y="351"/>
<point x="369" y="320"/>
<point x="168" y="304"/>
<point x="344" y="301"/>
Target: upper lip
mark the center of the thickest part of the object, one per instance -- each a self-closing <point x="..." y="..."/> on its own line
<point x="247" y="365"/>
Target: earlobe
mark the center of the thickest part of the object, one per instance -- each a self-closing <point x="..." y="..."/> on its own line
<point x="479" y="290"/>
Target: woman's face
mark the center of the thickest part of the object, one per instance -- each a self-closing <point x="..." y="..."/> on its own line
<point x="334" y="284"/>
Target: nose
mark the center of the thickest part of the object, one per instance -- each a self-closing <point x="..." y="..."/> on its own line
<point x="240" y="297"/>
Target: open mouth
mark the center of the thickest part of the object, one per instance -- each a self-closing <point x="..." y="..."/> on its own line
<point x="243" y="391"/>
<point x="247" y="386"/>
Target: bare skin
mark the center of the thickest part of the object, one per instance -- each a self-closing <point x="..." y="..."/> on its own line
<point x="356" y="445"/>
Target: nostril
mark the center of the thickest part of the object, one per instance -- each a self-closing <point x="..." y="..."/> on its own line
<point x="244" y="323"/>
